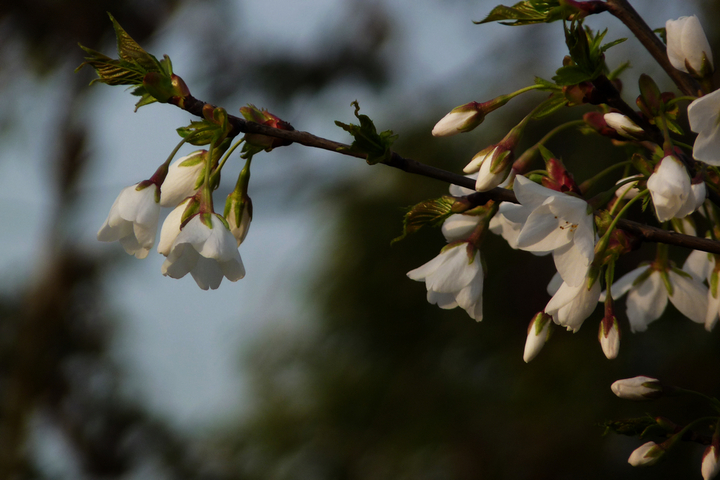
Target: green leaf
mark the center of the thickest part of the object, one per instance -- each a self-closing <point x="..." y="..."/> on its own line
<point x="112" y="71"/>
<point x="130" y="51"/>
<point x="547" y="85"/>
<point x="375" y="147"/>
<point x="555" y="102"/>
<point x="430" y="212"/>
<point x="528" y="12"/>
<point x="200" y="132"/>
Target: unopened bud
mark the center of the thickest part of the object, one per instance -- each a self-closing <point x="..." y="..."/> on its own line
<point x="638" y="388"/>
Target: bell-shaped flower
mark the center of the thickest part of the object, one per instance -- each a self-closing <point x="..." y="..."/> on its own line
<point x="646" y="455"/>
<point x="623" y="125"/>
<point x="171" y="228"/>
<point x="571" y="305"/>
<point x="207" y="250"/>
<point x="454" y="278"/>
<point x="538" y="333"/>
<point x="688" y="48"/>
<point x="133" y="219"/>
<point x="649" y="287"/>
<point x="704" y="117"/>
<point x="673" y="194"/>
<point x="710" y="464"/>
<point x="637" y="388"/>
<point x="183" y="179"/>
<point x="555" y="222"/>
<point x="703" y="266"/>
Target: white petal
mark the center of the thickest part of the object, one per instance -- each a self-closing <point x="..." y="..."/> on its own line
<point x="646" y="302"/>
<point x="207" y="273"/>
<point x="621" y="287"/>
<point x="689" y="297"/>
<point x="571" y="263"/>
<point x="459" y="226"/>
<point x="699" y="265"/>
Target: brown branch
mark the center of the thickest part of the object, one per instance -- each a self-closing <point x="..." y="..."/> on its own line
<point x="644" y="232"/>
<point x="624" y="12"/>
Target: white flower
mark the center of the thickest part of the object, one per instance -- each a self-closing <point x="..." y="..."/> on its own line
<point x="637" y="388"/>
<point x="133" y="219"/>
<point x="556" y="222"/>
<point x="171" y="228"/>
<point x="538" y="333"/>
<point x="207" y="252"/>
<point x="703" y="115"/>
<point x="609" y="336"/>
<point x="710" y="465"/>
<point x="460" y="119"/>
<point x="648" y="295"/>
<point x="622" y="125"/>
<point x="672" y="193"/>
<point x="646" y="455"/>
<point x="701" y="265"/>
<point x="570" y="306"/>
<point x="686" y="44"/>
<point x="182" y="179"/>
<point x="454" y="278"/>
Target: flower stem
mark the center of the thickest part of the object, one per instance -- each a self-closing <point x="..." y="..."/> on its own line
<point x="225" y="158"/>
<point x="588" y="184"/>
<point x="528" y="155"/>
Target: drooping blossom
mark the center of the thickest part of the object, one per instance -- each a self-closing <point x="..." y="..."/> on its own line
<point x="171" y="228"/>
<point x="703" y="266"/>
<point x="704" y="117"/>
<point x="673" y="194"/>
<point x="183" y="179"/>
<point x="554" y="222"/>
<point x="571" y="305"/>
<point x="637" y="388"/>
<point x="648" y="293"/>
<point x="133" y="219"/>
<point x="454" y="278"/>
<point x="687" y="45"/>
<point x="207" y="250"/>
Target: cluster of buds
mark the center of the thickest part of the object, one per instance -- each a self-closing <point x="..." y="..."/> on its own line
<point x="650" y="453"/>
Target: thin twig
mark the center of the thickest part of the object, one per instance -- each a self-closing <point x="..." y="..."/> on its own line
<point x="644" y="232"/>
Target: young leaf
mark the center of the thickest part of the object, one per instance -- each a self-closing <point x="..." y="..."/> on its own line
<point x="376" y="147"/>
<point x="430" y="212"/>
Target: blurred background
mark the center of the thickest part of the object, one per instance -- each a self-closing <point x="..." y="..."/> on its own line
<point x="325" y="361"/>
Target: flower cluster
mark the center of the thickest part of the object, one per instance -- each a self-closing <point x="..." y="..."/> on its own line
<point x="194" y="239"/>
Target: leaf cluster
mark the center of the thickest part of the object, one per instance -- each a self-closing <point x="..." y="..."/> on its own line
<point x="529" y="12"/>
<point x="587" y="54"/>
<point x="430" y="212"/>
<point x="133" y="64"/>
<point x="367" y="141"/>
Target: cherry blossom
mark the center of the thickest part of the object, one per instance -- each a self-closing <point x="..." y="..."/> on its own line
<point x="454" y="278"/>
<point x="133" y="219"/>
<point x="554" y="222"/>
<point x="207" y="250"/>
<point x="687" y="45"/>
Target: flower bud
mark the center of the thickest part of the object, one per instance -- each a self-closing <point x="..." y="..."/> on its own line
<point x="638" y="388"/>
<point x="238" y="213"/>
<point x="688" y="48"/>
<point x="609" y="336"/>
<point x="538" y="334"/>
<point x="710" y="465"/>
<point x="492" y="164"/>
<point x="623" y="125"/>
<point x="263" y="117"/>
<point x="183" y="179"/>
<point x="646" y="455"/>
<point x="466" y="117"/>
